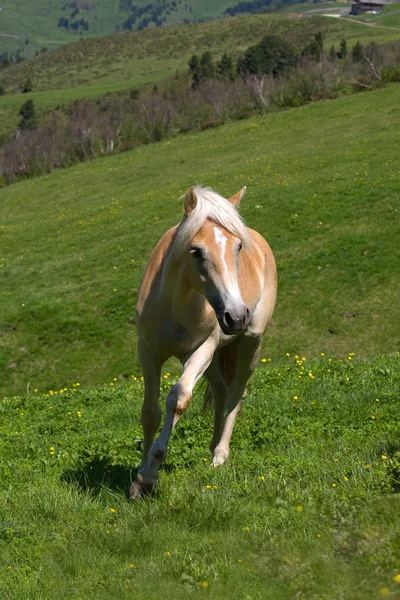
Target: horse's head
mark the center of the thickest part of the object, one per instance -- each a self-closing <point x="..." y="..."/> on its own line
<point x="212" y="266"/>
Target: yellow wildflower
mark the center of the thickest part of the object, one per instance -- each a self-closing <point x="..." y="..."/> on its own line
<point x="385" y="591"/>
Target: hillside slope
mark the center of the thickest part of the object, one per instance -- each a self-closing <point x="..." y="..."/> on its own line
<point x="323" y="188"/>
<point x="152" y="54"/>
<point x="303" y="508"/>
<point x="47" y="23"/>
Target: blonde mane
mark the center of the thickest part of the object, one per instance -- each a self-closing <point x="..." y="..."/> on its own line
<point x="213" y="207"/>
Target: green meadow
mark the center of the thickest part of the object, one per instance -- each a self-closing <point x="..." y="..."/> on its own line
<point x="92" y="67"/>
<point x="129" y="56"/>
<point x="307" y="507"/>
<point x="323" y="189"/>
<point x="32" y="26"/>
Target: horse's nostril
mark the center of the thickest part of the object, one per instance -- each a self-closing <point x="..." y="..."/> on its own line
<point x="228" y="320"/>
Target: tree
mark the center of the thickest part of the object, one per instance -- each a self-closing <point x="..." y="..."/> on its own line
<point x="202" y="68"/>
<point x="28" y="115"/>
<point x="271" y="56"/>
<point x="4" y="60"/>
<point x="194" y="69"/>
<point x="315" y="48"/>
<point x="343" y="49"/>
<point x="207" y="68"/>
<point x="27" y="87"/>
<point x="332" y="53"/>
<point x="2" y="89"/>
<point x="357" y="52"/>
<point x="225" y="67"/>
<point x="319" y="38"/>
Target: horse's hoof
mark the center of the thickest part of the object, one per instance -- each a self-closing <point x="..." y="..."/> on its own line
<point x="220" y="457"/>
<point x="139" y="490"/>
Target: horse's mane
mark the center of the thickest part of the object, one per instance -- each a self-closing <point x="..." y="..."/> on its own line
<point x="213" y="207"/>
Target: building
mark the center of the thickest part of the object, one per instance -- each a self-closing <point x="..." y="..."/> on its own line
<point x="362" y="7"/>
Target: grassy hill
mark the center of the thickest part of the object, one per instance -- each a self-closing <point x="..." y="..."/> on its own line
<point x="30" y="27"/>
<point x="152" y="54"/>
<point x="38" y="23"/>
<point x="323" y="188"/>
<point x="93" y="67"/>
<point x="306" y="507"/>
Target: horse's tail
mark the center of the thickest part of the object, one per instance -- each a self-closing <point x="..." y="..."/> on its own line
<point x="226" y="357"/>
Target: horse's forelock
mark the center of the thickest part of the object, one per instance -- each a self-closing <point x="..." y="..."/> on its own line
<point x="217" y="209"/>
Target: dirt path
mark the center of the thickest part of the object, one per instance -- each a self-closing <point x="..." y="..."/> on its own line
<point x="363" y="23"/>
<point x="19" y="37"/>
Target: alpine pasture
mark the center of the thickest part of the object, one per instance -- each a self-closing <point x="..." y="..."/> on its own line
<point x="308" y="505"/>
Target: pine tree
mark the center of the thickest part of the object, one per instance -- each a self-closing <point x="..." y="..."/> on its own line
<point x="28" y="115"/>
<point x="319" y="38"/>
<point x="225" y="67"/>
<point x="207" y="68"/>
<point x="332" y="53"/>
<point x="343" y="49"/>
<point x="194" y="69"/>
<point x="2" y="90"/>
<point x="27" y="87"/>
<point x="357" y="52"/>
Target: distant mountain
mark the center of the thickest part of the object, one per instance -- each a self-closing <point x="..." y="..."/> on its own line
<point x="28" y="27"/>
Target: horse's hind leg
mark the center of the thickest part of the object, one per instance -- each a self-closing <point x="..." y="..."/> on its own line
<point x="248" y="351"/>
<point x="151" y="410"/>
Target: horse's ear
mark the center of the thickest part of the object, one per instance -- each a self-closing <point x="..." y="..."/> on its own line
<point x="190" y="201"/>
<point x="235" y="200"/>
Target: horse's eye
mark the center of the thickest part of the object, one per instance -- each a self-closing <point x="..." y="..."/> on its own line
<point x="196" y="253"/>
<point x="240" y="246"/>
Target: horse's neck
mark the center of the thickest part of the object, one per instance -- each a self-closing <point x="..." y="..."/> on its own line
<point x="174" y="280"/>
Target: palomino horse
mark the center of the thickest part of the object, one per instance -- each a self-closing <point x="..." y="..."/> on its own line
<point x="207" y="296"/>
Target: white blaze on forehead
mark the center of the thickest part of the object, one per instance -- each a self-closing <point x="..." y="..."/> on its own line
<point x="232" y="285"/>
<point x="221" y="240"/>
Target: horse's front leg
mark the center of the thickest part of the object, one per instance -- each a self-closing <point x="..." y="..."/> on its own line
<point x="248" y="352"/>
<point x="177" y="402"/>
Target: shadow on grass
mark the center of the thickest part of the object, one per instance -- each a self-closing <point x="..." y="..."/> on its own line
<point x="98" y="474"/>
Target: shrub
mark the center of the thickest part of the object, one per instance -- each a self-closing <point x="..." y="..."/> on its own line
<point x="28" y="115"/>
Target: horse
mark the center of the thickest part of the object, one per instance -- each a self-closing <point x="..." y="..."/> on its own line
<point x="206" y="297"/>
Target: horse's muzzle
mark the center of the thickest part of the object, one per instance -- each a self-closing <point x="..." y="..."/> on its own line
<point x="233" y="322"/>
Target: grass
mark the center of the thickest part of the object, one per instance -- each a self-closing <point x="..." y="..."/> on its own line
<point x="93" y="67"/>
<point x="306" y="507"/>
<point x="127" y="57"/>
<point x="48" y="100"/>
<point x="323" y="188"/>
<point x="38" y="23"/>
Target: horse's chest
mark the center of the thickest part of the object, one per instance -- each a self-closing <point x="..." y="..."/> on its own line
<point x="170" y="338"/>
